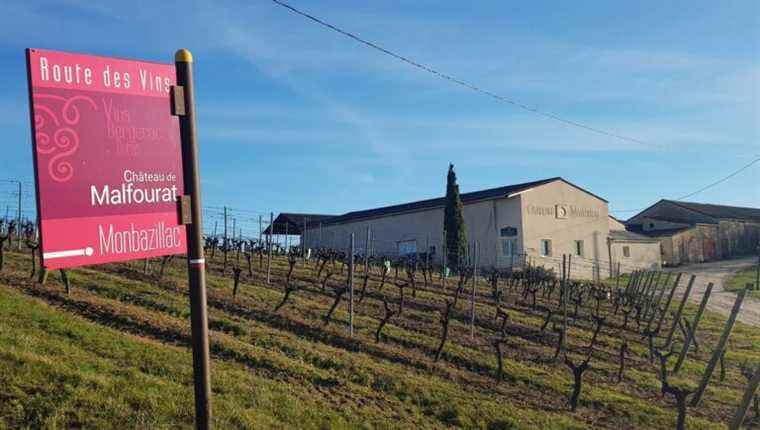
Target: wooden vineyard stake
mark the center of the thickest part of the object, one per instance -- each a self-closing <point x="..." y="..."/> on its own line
<point x="269" y="248"/>
<point x="666" y="308"/>
<point x="749" y="394"/>
<point x="720" y="348"/>
<point x="693" y="328"/>
<point x="679" y="312"/>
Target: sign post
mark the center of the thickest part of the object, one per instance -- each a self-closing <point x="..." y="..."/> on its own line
<point x="195" y="255"/>
<point x="117" y="172"/>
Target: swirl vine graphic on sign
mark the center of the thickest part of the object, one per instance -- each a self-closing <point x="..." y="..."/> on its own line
<point x="55" y="134"/>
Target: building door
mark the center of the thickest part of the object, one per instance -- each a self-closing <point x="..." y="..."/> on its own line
<point x="708" y="249"/>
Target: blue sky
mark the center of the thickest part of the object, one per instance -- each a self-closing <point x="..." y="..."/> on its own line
<point x="293" y="117"/>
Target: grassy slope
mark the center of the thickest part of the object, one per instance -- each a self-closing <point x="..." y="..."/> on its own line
<point x="115" y="354"/>
<point x="741" y="279"/>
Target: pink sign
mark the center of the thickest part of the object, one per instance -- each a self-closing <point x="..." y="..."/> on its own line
<point x="107" y="158"/>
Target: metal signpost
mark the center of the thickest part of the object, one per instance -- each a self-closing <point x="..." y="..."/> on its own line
<point x="117" y="172"/>
<point x="195" y="254"/>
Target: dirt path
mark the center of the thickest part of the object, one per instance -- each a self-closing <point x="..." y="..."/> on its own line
<point x="720" y="272"/>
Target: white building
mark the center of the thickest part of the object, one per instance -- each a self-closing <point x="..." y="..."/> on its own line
<point x="536" y="222"/>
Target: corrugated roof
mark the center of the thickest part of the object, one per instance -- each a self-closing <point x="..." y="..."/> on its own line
<point x="492" y="193"/>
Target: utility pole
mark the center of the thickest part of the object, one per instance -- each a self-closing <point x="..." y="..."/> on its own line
<point x="194" y="236"/>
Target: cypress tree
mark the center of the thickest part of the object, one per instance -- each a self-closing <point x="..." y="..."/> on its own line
<point x="453" y="223"/>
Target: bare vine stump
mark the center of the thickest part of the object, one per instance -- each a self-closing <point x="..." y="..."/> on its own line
<point x="166" y="259"/>
<point x="388" y="315"/>
<point x="33" y="246"/>
<point x="248" y="257"/>
<point x="578" y="371"/>
<point x="339" y="292"/>
<point x="679" y="394"/>
<point x="326" y="278"/>
<point x="3" y="238"/>
<point x="547" y="320"/>
<point x="401" y="286"/>
<point x="445" y="318"/>
<point x="599" y="324"/>
<point x="498" y="344"/>
<point x="65" y="280"/>
<point x="560" y="341"/>
<point x="289" y="289"/>
<point x="236" y="277"/>
<point x="621" y="356"/>
<point x="363" y="291"/>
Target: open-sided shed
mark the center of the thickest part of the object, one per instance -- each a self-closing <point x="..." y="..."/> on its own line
<point x="293" y="223"/>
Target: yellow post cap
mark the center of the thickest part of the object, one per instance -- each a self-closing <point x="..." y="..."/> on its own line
<point x="183" y="56"/>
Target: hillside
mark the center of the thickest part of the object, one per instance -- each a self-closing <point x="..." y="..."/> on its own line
<point x="114" y="353"/>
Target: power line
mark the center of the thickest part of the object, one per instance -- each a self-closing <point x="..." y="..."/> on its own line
<point x="706" y="187"/>
<point x="456" y="81"/>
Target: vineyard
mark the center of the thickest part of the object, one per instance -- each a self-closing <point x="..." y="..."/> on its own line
<point x="300" y="343"/>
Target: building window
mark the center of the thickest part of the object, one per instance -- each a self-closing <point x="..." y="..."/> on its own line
<point x="651" y="225"/>
<point x="509" y="247"/>
<point x="407" y="247"/>
<point x="626" y="251"/>
<point x="546" y="247"/>
<point x="579" y="248"/>
<point x="508" y="232"/>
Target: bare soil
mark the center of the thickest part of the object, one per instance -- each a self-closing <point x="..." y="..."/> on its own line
<point x="720" y="273"/>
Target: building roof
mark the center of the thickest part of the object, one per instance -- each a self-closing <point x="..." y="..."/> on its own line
<point x="663" y="232"/>
<point x="696" y="213"/>
<point x="721" y="211"/>
<point x="292" y="223"/>
<point x="472" y="197"/>
<point x="629" y="236"/>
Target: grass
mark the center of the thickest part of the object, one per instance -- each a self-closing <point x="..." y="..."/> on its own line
<point x="742" y="278"/>
<point x="115" y="354"/>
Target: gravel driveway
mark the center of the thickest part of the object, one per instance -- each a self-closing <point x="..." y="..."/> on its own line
<point x="719" y="272"/>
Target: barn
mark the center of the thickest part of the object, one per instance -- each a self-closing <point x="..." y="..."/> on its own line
<point x="528" y="223"/>
<point x="698" y="232"/>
